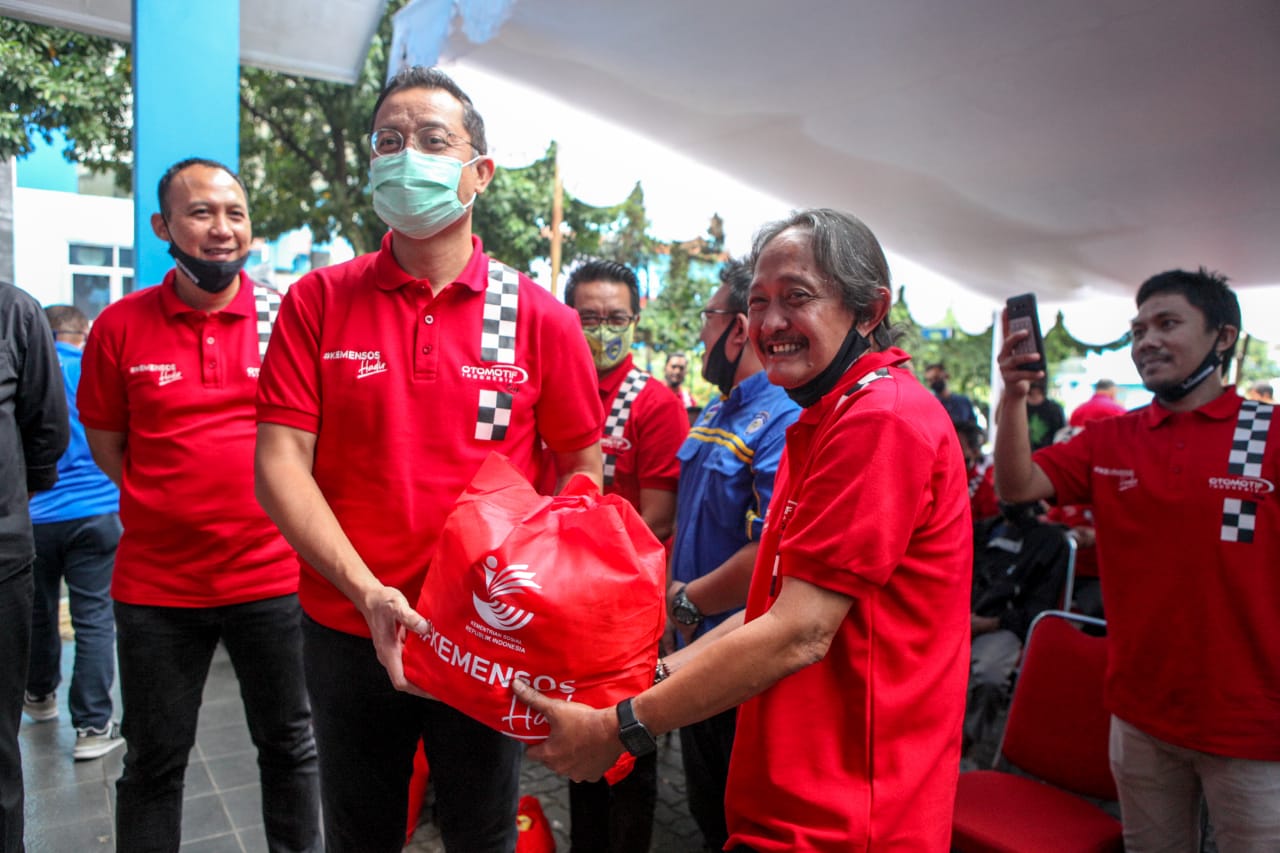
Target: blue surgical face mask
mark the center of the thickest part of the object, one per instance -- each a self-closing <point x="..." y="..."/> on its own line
<point x="417" y="194"/>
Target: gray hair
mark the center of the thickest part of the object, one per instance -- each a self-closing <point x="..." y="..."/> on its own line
<point x="847" y="253"/>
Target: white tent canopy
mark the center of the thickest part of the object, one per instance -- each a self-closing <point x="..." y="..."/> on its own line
<point x="995" y="146"/>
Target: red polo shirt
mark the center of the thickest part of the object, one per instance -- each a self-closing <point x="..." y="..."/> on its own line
<point x="861" y="750"/>
<point x="181" y="383"/>
<point x="1193" y="622"/>
<point x="388" y="378"/>
<point x="1095" y="408"/>
<point x="651" y="437"/>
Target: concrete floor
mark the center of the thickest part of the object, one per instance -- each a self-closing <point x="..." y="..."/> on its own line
<point x="69" y="805"/>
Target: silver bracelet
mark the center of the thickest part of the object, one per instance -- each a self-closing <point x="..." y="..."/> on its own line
<point x="661" y="671"/>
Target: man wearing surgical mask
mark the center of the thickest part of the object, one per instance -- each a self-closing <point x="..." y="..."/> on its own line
<point x="391" y="378"/>
<point x="167" y="397"/>
<point x="727" y="466"/>
<point x="643" y="429"/>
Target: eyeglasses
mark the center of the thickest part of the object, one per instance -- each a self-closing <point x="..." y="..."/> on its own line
<point x="708" y="312"/>
<point x="429" y="140"/>
<point x="616" y="321"/>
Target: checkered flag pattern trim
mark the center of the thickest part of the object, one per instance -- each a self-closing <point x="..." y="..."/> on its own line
<point x="498" y="345"/>
<point x="616" y="423"/>
<point x="494" y="416"/>
<point x="501" y="299"/>
<point x="1248" y="445"/>
<point x="268" y="305"/>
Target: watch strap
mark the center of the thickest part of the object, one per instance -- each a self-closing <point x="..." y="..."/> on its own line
<point x="634" y="736"/>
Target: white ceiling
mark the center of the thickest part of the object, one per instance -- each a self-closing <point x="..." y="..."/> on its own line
<point x="327" y="39"/>
<point x="1070" y="148"/>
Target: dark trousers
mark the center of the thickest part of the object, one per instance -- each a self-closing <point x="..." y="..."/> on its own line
<point x="15" y="637"/>
<point x="705" y="748"/>
<point x="367" y="733"/>
<point x="82" y="551"/>
<point x="614" y="818"/>
<point x="165" y="654"/>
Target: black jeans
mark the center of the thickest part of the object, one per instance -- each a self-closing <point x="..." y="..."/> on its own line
<point x="614" y="818"/>
<point x="705" y="748"/>
<point x="165" y="654"/>
<point x="367" y="733"/>
<point x="15" y="636"/>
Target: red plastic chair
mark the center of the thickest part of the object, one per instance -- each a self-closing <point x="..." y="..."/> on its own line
<point x="1058" y="732"/>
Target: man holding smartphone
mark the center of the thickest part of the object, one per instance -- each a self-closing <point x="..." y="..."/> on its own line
<point x="1188" y="537"/>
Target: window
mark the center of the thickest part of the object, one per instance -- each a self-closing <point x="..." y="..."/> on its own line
<point x="99" y="274"/>
<point x="90" y="293"/>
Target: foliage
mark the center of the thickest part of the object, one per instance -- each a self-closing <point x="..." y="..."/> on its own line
<point x="968" y="357"/>
<point x="513" y="217"/>
<point x="56" y="79"/>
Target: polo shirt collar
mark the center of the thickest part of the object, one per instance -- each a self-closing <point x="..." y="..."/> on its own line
<point x="749" y="387"/>
<point x="864" y="364"/>
<point x="1221" y="407"/>
<point x="612" y="381"/>
<point x="242" y="305"/>
<point x="389" y="275"/>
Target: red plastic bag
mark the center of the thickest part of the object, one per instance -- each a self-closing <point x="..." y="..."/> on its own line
<point x="565" y="592"/>
<point x="535" y="832"/>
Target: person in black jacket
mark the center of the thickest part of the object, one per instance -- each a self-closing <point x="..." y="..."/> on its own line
<point x="1019" y="566"/>
<point x="33" y="433"/>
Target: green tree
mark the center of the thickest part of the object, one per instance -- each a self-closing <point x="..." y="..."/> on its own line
<point x="56" y="79"/>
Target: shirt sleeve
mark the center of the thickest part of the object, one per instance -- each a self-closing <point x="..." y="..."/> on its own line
<point x="1069" y="466"/>
<point x="40" y="406"/>
<point x="289" y="385"/>
<point x="862" y="498"/>
<point x="102" y="397"/>
<point x="659" y="436"/>
<point x="568" y="412"/>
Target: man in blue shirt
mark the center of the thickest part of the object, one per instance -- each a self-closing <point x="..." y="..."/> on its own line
<point x="76" y="530"/>
<point x="727" y="465"/>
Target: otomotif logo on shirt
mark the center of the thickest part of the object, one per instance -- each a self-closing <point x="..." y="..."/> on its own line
<point x="165" y="373"/>
<point x="371" y="363"/>
<point x="615" y="444"/>
<point x="1241" y="486"/>
<point x="496" y="374"/>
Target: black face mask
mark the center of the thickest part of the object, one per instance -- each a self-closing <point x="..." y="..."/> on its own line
<point x="938" y="386"/>
<point x="1174" y="393"/>
<point x="717" y="369"/>
<point x="209" y="276"/>
<point x="812" y="391"/>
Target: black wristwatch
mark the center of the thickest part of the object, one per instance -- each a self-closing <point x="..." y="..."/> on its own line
<point x="634" y="736"/>
<point x="685" y="611"/>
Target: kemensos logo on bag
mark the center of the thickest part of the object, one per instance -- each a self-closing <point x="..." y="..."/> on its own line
<point x="499" y="620"/>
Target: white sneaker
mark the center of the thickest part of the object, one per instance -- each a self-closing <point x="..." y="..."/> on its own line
<point x="40" y="708"/>
<point x="95" y="743"/>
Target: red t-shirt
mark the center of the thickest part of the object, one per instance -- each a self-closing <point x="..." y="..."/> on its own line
<point x="1095" y="408"/>
<point x="651" y="437"/>
<point x="391" y="381"/>
<point x="861" y="750"/>
<point x="180" y="383"/>
<point x="1193" y="621"/>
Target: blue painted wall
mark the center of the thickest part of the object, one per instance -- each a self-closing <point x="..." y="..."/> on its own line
<point x="186" y="103"/>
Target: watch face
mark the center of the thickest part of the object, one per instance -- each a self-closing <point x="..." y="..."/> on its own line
<point x="686" y="614"/>
<point x="637" y="740"/>
<point x="685" y="611"/>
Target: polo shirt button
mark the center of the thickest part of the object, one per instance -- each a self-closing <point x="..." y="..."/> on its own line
<point x="213" y="364"/>
<point x="428" y="319"/>
<point x="427" y="349"/>
<point x="1177" y="469"/>
<point x="209" y="340"/>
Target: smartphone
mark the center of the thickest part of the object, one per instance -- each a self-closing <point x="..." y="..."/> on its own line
<point x="1024" y="317"/>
